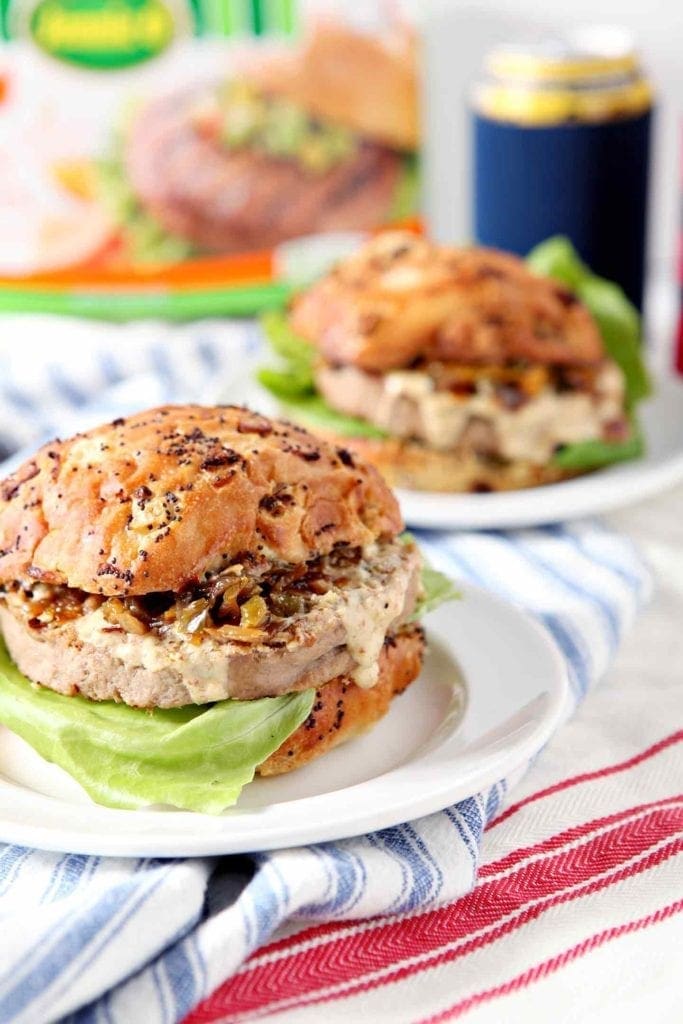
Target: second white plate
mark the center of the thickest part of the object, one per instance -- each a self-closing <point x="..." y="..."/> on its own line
<point x="478" y="711"/>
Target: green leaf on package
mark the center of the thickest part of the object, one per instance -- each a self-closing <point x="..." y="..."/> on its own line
<point x="620" y="327"/>
<point x="197" y="758"/>
<point x="406" y="198"/>
<point x="144" y="238"/>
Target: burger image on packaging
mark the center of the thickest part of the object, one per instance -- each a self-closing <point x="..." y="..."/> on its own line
<point x="463" y="369"/>
<point x="318" y="140"/>
<point x="192" y="595"/>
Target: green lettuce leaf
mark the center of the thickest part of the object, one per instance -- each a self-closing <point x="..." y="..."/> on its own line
<point x="288" y="385"/>
<point x="196" y="758"/>
<point x="294" y="386"/>
<point x="314" y="412"/>
<point x="286" y="343"/>
<point x="436" y="590"/>
<point x="593" y="454"/>
<point x="620" y="327"/>
<point x="616" y="317"/>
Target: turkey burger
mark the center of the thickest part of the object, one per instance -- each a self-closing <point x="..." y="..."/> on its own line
<point x="192" y="595"/>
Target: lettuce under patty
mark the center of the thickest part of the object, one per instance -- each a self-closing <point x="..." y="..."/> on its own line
<point x="314" y="412"/>
<point x="585" y="455"/>
<point x="293" y="383"/>
<point x="197" y="758"/>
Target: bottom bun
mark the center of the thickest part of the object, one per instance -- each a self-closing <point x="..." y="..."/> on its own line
<point x="341" y="709"/>
<point x="417" y="467"/>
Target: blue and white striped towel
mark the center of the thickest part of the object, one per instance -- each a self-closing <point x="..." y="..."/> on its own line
<point x="121" y="941"/>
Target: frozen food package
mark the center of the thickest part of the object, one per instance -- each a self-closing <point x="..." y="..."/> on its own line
<point x="183" y="158"/>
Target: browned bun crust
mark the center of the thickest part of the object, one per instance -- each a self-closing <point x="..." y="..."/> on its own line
<point x="366" y="82"/>
<point x="152" y="502"/>
<point x="401" y="298"/>
<point x="342" y="709"/>
<point x="417" y="467"/>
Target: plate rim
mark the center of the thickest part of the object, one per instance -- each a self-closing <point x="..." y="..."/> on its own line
<point x="645" y="484"/>
<point x="586" y="495"/>
<point x="215" y="839"/>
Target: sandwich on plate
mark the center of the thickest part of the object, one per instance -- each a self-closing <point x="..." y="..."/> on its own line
<point x="463" y="369"/>
<point x="316" y="141"/>
<point x="194" y="595"/>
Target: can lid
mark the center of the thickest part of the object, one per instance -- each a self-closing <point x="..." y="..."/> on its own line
<point x="588" y="54"/>
<point x="590" y="74"/>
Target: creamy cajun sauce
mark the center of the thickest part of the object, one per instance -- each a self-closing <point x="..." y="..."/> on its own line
<point x="367" y="612"/>
<point x="406" y="404"/>
<point x="376" y="597"/>
<point x="202" y="665"/>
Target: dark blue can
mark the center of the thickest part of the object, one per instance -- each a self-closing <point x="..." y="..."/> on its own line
<point x="561" y="146"/>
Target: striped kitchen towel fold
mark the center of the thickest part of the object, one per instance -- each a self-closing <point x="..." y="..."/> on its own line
<point x="58" y="372"/>
<point x="96" y="939"/>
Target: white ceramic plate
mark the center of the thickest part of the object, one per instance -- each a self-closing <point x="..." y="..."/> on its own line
<point x="598" y="492"/>
<point x="478" y="711"/>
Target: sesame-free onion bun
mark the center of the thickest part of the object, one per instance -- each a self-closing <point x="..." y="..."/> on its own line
<point x="187" y="555"/>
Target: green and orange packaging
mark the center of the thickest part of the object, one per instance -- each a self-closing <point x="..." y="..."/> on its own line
<point x="181" y="158"/>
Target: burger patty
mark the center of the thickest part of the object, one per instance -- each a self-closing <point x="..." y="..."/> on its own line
<point x="225" y="200"/>
<point x="506" y="412"/>
<point x="253" y="630"/>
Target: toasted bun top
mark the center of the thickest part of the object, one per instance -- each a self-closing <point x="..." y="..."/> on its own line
<point x="401" y="297"/>
<point x="152" y="502"/>
<point x="366" y="82"/>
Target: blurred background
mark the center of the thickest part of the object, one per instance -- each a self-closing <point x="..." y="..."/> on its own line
<point x="458" y="34"/>
<point x="184" y="159"/>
